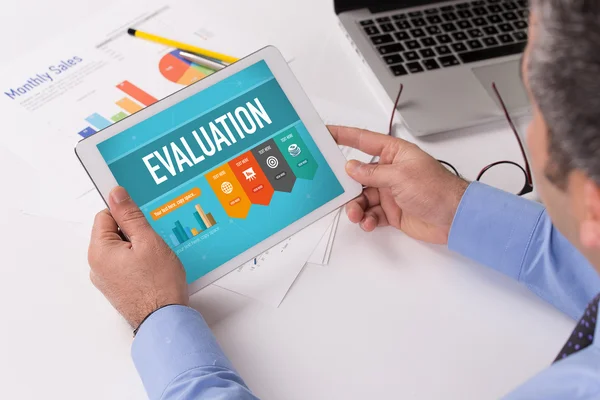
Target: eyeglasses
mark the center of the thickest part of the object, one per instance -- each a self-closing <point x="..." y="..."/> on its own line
<point x="503" y="167"/>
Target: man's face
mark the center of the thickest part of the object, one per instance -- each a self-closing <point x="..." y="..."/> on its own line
<point x="563" y="206"/>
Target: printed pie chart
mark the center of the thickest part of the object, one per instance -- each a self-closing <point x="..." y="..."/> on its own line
<point x="179" y="70"/>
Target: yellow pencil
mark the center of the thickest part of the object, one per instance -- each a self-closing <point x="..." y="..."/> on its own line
<point x="182" y="46"/>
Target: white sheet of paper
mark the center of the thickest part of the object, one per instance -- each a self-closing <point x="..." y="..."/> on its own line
<point x="71" y="82"/>
<point x="270" y="279"/>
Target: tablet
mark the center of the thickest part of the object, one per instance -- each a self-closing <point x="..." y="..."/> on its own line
<point x="227" y="167"/>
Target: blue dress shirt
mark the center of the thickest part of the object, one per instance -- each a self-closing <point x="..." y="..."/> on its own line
<point x="177" y="356"/>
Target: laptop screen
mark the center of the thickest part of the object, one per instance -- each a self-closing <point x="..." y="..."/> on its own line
<point x="378" y="5"/>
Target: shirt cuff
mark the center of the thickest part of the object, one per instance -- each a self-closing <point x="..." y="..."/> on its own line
<point x="171" y="341"/>
<point x="494" y="228"/>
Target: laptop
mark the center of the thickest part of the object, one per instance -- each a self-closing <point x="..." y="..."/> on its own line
<point x="446" y="54"/>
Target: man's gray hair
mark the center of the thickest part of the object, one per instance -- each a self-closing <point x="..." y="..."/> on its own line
<point x="564" y="77"/>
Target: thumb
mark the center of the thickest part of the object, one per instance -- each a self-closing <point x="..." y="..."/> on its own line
<point x="373" y="175"/>
<point x="127" y="214"/>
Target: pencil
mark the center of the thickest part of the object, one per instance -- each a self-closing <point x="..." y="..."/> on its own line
<point x="182" y="46"/>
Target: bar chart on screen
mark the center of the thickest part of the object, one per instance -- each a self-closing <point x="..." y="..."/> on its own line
<point x="200" y="222"/>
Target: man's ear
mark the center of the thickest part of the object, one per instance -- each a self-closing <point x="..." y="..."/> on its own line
<point x="590" y="225"/>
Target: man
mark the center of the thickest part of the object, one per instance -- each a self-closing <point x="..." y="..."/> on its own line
<point x="177" y="356"/>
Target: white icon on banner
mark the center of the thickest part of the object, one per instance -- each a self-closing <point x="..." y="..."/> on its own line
<point x="294" y="150"/>
<point x="226" y="187"/>
<point x="249" y="174"/>
<point x="272" y="162"/>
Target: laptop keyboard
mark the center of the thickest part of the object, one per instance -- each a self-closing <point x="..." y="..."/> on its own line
<point x="441" y="37"/>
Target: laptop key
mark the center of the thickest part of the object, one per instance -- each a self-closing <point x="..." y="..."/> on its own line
<point x="475" y="33"/>
<point x="520" y="36"/>
<point x="462" y="6"/>
<point x="522" y="4"/>
<point x="464" y="24"/>
<point x="449" y="27"/>
<point x="475" y="44"/>
<point x="434" y="19"/>
<point x="415" y="14"/>
<point x="524" y="14"/>
<point x="417" y="33"/>
<point x="448" y="61"/>
<point x="402" y="35"/>
<point x="393" y="59"/>
<point x="418" y="22"/>
<point x="381" y="20"/>
<point x="398" y="17"/>
<point x="427" y="53"/>
<point x="510" y="16"/>
<point x="520" y="24"/>
<point x="428" y="42"/>
<point x="494" y="19"/>
<point x="431" y="11"/>
<point x="509" y="5"/>
<point x="459" y="47"/>
<point x="388" y="27"/>
<point x="433" y="30"/>
<point x="492" y="52"/>
<point x="382" y="39"/>
<point x="411" y="56"/>
<point x="495" y="8"/>
<point x="403" y="25"/>
<point x="398" y="70"/>
<point x="447" y="8"/>
<point x="490" y="30"/>
<point x="478" y="3"/>
<point x="414" y="67"/>
<point x="371" y="30"/>
<point x="412" y="44"/>
<point x="459" y="36"/>
<point x="480" y="11"/>
<point x="490" y="41"/>
<point x="390" y="48"/>
<point x="367" y="22"/>
<point x="444" y="39"/>
<point x="506" y="27"/>
<point x="506" y="38"/>
<point x="480" y="21"/>
<point x="464" y="14"/>
<point x="443" y="50"/>
<point x="430" y="64"/>
<point x="450" y="16"/>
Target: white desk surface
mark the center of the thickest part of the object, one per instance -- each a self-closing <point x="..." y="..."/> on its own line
<point x="388" y="318"/>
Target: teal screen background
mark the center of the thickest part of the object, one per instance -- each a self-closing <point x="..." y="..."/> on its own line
<point x="229" y="237"/>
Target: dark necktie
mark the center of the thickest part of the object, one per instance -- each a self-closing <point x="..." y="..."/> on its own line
<point x="583" y="334"/>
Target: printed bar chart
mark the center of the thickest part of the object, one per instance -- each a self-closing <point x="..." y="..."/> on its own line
<point x="137" y="93"/>
<point x="98" y="121"/>
<point x="129" y="105"/>
<point x="89" y="131"/>
<point x="119" y="116"/>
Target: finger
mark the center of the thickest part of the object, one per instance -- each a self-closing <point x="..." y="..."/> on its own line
<point x="366" y="141"/>
<point x="374" y="217"/>
<point x="128" y="215"/>
<point x="372" y="196"/>
<point x="355" y="209"/>
<point x="390" y="208"/>
<point x="105" y="228"/>
<point x="374" y="175"/>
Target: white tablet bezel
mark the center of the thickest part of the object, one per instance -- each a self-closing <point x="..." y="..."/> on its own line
<point x="103" y="179"/>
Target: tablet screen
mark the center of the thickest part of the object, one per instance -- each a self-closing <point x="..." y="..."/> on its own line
<point x="222" y="170"/>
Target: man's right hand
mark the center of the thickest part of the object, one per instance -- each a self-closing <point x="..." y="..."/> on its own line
<point x="407" y="189"/>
